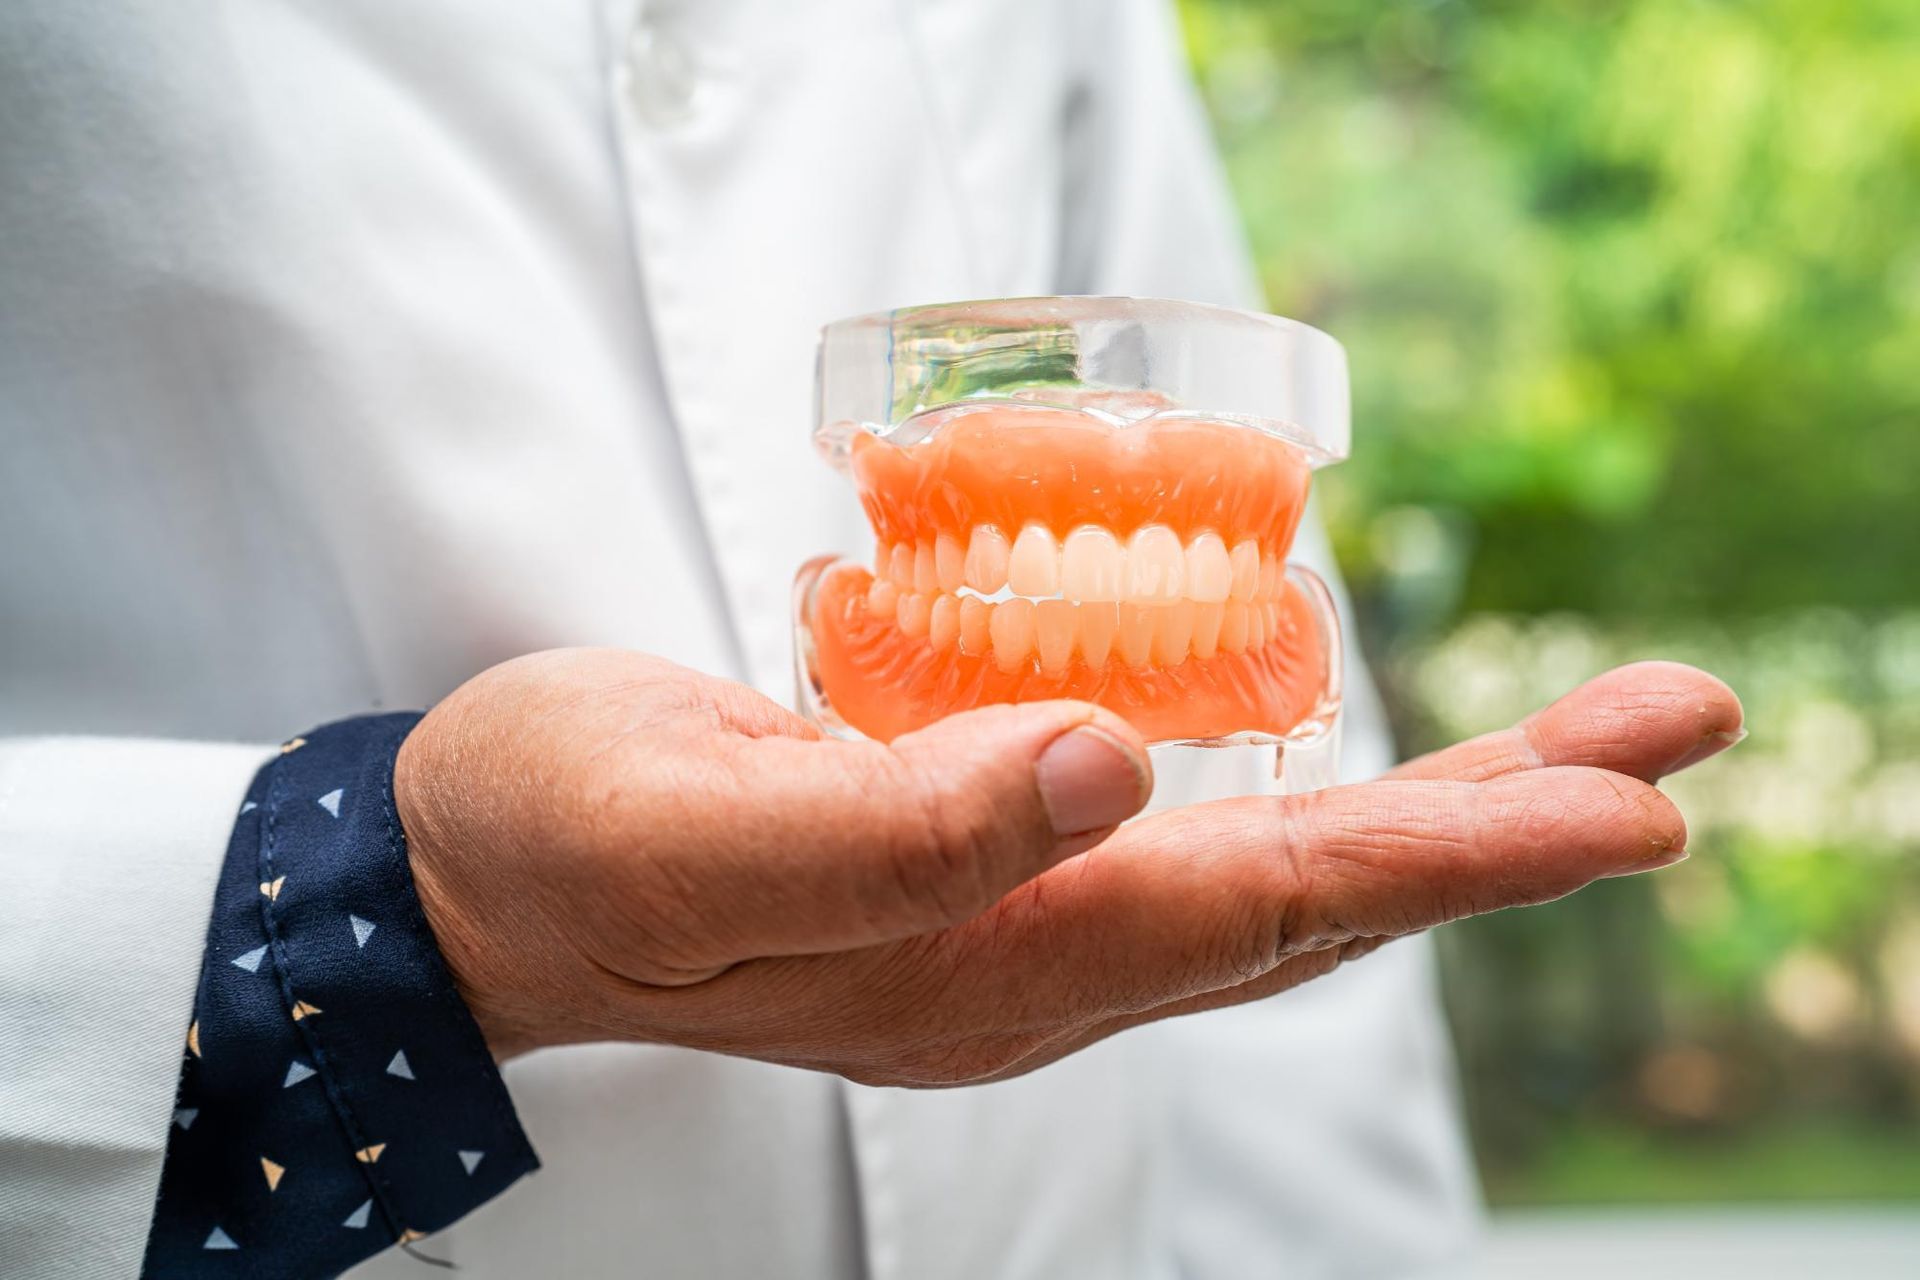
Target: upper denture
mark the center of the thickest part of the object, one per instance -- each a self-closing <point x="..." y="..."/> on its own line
<point x="1010" y="468"/>
<point x="1145" y="544"/>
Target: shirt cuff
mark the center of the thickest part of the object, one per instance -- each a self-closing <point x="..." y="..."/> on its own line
<point x="336" y="1095"/>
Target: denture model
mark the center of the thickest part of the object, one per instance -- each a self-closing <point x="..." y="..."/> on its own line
<point x="1087" y="498"/>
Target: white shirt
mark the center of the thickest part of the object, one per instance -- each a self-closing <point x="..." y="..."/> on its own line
<point x="351" y="347"/>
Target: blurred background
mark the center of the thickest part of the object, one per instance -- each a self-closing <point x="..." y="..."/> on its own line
<point x="1631" y="290"/>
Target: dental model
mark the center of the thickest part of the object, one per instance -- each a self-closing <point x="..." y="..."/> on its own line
<point x="1116" y="539"/>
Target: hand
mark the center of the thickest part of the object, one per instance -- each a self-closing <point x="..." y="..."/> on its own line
<point x="610" y="847"/>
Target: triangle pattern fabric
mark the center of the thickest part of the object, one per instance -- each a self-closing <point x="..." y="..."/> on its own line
<point x="221" y="1182"/>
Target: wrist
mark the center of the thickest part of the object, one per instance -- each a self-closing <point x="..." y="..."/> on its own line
<point x="449" y="881"/>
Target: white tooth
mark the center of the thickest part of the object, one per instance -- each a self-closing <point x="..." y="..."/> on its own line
<point x="1246" y="569"/>
<point x="1156" y="565"/>
<point x="1053" y="632"/>
<point x="974" y="613"/>
<point x="1092" y="565"/>
<point x="1272" y="610"/>
<point x="1233" y="627"/>
<point x="1011" y="626"/>
<point x="1034" y="567"/>
<point x="1136" y="634"/>
<point x="914" y="612"/>
<point x="925" y="580"/>
<point x="985" y="568"/>
<point x="1209" y="571"/>
<point x="1098" y="623"/>
<point x="882" y="558"/>
<point x="949" y="562"/>
<point x="943" y="624"/>
<point x="882" y="598"/>
<point x="900" y="566"/>
<point x="1270" y="571"/>
<point x="1172" y="633"/>
<point x="1206" y="629"/>
<point x="1256" y="627"/>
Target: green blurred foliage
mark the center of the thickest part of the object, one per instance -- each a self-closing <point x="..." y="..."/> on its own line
<point x="1630" y="283"/>
<point x="1632" y="294"/>
<point x="1689" y="1032"/>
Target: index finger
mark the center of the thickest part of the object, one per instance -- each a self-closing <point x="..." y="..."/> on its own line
<point x="1198" y="899"/>
<point x="1646" y="720"/>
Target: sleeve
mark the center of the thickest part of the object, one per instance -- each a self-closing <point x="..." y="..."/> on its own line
<point x="109" y="849"/>
<point x="335" y="1095"/>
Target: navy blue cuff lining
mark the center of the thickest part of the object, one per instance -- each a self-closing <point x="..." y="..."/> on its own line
<point x="336" y="1095"/>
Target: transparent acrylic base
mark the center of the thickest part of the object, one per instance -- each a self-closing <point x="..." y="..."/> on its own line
<point x="1305" y="757"/>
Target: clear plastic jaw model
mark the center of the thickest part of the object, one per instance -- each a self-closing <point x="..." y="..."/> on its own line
<point x="1086" y="498"/>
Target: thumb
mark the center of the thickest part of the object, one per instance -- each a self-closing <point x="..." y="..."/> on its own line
<point x="883" y="841"/>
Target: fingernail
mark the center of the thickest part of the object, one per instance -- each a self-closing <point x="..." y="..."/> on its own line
<point x="1089" y="780"/>
<point x="1652" y="862"/>
<point x="1711" y="745"/>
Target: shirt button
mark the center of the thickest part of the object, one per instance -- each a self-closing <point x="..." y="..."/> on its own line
<point x="662" y="73"/>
